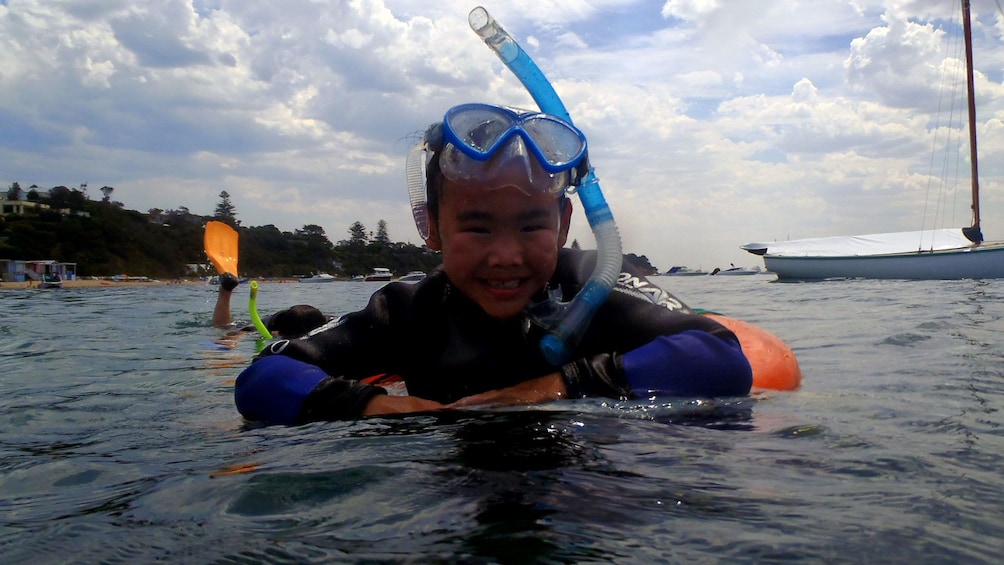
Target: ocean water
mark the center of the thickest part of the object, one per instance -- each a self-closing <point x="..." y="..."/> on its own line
<point x="119" y="443"/>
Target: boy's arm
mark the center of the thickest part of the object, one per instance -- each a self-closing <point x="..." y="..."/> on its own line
<point x="658" y="346"/>
<point x="534" y="391"/>
<point x="652" y="342"/>
<point x="294" y="381"/>
<point x="281" y="390"/>
<point x="692" y="363"/>
<point x="383" y="404"/>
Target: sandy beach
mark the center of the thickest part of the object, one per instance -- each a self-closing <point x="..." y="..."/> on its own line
<point x="110" y="283"/>
<point x="100" y="283"/>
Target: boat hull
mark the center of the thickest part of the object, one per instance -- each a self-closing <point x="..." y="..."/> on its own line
<point x="318" y="278"/>
<point x="686" y="274"/>
<point x="985" y="261"/>
<point x="413" y="276"/>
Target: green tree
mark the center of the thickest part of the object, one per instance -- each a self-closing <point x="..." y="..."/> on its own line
<point x="14" y="192"/>
<point x="357" y="234"/>
<point x="156" y="215"/>
<point x="59" y="197"/>
<point x="225" y="210"/>
<point x="315" y="249"/>
<point x="642" y="263"/>
<point x="381" y="233"/>
<point x="312" y="230"/>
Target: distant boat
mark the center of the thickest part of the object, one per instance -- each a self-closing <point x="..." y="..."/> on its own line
<point x="50" y="281"/>
<point x="317" y="278"/>
<point x="413" y="276"/>
<point x="736" y="271"/>
<point x="678" y="271"/>
<point x="379" y="274"/>
<point x="946" y="254"/>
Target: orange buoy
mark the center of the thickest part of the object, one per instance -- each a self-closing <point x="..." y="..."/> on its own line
<point x="774" y="364"/>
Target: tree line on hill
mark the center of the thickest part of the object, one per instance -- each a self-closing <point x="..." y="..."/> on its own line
<point x="103" y="238"/>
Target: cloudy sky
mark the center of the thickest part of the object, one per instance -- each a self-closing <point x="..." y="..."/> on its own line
<point x="712" y="123"/>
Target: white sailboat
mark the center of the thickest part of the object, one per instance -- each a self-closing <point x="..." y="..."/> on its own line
<point x="957" y="253"/>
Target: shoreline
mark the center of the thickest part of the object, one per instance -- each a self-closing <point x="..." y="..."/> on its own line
<point x="101" y="283"/>
<point x="105" y="283"/>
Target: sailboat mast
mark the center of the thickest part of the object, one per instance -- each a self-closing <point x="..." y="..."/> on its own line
<point x="968" y="32"/>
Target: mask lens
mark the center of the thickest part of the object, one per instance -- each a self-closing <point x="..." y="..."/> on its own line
<point x="479" y="127"/>
<point x="556" y="143"/>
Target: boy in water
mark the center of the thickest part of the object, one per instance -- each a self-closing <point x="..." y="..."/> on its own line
<point x="469" y="333"/>
<point x="295" y="321"/>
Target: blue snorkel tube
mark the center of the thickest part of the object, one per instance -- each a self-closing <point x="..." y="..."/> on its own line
<point x="567" y="332"/>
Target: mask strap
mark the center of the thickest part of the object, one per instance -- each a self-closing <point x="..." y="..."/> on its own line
<point x="415" y="170"/>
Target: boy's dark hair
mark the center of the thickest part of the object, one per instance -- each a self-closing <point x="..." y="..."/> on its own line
<point x="296" y="321"/>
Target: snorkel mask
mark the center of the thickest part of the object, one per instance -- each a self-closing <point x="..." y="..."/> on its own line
<point x="486" y="147"/>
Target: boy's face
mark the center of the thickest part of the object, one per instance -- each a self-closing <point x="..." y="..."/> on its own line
<point x="500" y="247"/>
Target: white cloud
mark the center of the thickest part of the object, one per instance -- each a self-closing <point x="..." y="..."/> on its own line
<point x="711" y="123"/>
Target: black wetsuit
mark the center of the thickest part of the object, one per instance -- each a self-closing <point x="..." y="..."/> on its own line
<point x="446" y="348"/>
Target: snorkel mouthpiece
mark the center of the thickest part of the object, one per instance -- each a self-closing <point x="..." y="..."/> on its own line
<point x="575" y="316"/>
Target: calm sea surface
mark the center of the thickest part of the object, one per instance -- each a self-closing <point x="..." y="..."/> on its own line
<point x="117" y="429"/>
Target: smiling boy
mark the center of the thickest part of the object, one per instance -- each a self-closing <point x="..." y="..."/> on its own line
<point x="494" y="204"/>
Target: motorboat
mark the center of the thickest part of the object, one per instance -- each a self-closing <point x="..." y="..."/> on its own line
<point x="413" y="276"/>
<point x="379" y="274"/>
<point x="317" y="278"/>
<point x="736" y="271"/>
<point x="678" y="271"/>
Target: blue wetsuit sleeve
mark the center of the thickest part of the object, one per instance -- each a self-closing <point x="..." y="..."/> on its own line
<point x="690" y="363"/>
<point x="280" y="390"/>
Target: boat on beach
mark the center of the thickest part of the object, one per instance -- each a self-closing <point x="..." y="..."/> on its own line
<point x="50" y="281"/>
<point x="932" y="254"/>
<point x="379" y="274"/>
<point x="317" y="278"/>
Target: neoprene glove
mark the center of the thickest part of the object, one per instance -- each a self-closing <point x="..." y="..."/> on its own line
<point x="228" y="281"/>
<point x="599" y="375"/>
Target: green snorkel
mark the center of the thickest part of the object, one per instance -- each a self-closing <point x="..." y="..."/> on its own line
<point x="565" y="327"/>
<point x="253" y="309"/>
